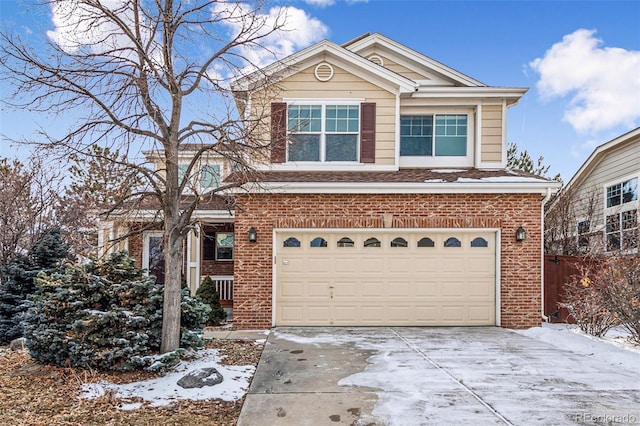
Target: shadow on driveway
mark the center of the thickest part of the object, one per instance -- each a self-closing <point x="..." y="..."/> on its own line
<point x="432" y="376"/>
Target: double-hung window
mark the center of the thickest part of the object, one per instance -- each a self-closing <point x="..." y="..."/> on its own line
<point x="437" y="135"/>
<point x="326" y="132"/>
<point x="621" y="215"/>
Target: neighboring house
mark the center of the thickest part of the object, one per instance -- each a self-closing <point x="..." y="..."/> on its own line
<point x="386" y="200"/>
<point x="597" y="211"/>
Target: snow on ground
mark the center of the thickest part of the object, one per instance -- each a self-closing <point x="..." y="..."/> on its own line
<point x="413" y="385"/>
<point x="614" y="348"/>
<point x="163" y="390"/>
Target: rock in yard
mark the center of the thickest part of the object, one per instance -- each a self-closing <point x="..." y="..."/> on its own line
<point x="200" y="378"/>
<point x="17" y="344"/>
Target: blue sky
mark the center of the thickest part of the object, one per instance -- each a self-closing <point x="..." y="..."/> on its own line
<point x="580" y="59"/>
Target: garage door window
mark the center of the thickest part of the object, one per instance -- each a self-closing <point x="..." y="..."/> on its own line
<point x="426" y="242"/>
<point x="345" y="242"/>
<point x="291" y="242"/>
<point x="318" y="242"/>
<point x="479" y="242"/>
<point x="372" y="242"/>
<point x="452" y="242"/>
<point x="399" y="242"/>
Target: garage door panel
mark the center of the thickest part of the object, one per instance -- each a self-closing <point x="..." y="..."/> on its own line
<point x="385" y="285"/>
<point x="479" y="313"/>
<point x="372" y="290"/>
<point x="426" y="289"/>
<point x="398" y="289"/>
<point x="344" y="289"/>
<point x="425" y="263"/>
<point x="370" y="265"/>
<point x="317" y="289"/>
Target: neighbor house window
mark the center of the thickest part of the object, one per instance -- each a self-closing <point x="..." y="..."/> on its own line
<point x="621" y="193"/>
<point x="209" y="176"/>
<point x="584" y="227"/>
<point x="224" y="245"/>
<point x="621" y="230"/>
<point x="323" y="132"/>
<point x="439" y="135"/>
<point x="621" y="215"/>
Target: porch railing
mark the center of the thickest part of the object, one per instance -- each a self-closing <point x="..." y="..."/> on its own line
<point x="223" y="285"/>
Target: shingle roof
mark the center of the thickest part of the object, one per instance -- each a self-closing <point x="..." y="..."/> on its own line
<point x="400" y="176"/>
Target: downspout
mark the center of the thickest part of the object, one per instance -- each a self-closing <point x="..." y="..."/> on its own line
<point x="545" y="200"/>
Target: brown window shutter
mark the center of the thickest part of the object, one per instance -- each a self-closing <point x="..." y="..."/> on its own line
<point x="368" y="132"/>
<point x="278" y="132"/>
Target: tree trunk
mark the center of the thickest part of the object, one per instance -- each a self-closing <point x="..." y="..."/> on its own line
<point x="171" y="310"/>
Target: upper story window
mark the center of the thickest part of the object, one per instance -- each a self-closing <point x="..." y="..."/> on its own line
<point x="209" y="176"/>
<point x="621" y="193"/>
<point x="621" y="215"/>
<point x="439" y="135"/>
<point x="323" y="132"/>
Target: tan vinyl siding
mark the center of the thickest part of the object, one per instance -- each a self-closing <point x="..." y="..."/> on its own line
<point x="618" y="165"/>
<point x="401" y="69"/>
<point x="345" y="85"/>
<point x="491" y="148"/>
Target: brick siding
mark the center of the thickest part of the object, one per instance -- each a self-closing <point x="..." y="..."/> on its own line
<point x="520" y="271"/>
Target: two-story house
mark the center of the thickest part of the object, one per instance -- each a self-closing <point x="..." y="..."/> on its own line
<point x="385" y="200"/>
<point x="596" y="213"/>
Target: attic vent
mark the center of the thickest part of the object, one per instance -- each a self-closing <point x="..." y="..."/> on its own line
<point x="376" y="60"/>
<point x="324" y="72"/>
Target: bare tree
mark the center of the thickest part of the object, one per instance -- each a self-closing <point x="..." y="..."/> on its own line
<point x="570" y="223"/>
<point x="149" y="75"/>
<point x="28" y="195"/>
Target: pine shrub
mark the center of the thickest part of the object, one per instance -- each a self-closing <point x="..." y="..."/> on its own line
<point x="18" y="283"/>
<point x="106" y="316"/>
<point x="208" y="294"/>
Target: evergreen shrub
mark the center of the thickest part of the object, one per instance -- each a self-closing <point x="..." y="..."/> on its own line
<point x="208" y="294"/>
<point x="106" y="316"/>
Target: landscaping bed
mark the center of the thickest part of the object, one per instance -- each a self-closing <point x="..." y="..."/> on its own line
<point x="34" y="394"/>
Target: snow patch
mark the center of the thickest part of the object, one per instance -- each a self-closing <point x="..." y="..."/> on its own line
<point x="613" y="349"/>
<point x="163" y="390"/>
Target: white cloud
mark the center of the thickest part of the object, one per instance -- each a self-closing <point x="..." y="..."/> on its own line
<point x="295" y="30"/>
<point x="78" y="24"/>
<point x="321" y="3"/>
<point x="325" y="3"/>
<point x="603" y="82"/>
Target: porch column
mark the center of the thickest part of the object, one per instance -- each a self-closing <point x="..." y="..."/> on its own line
<point x="193" y="259"/>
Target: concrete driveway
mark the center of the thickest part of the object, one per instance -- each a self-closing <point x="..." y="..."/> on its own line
<point x="432" y="376"/>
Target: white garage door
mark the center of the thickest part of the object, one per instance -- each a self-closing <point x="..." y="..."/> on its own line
<point x="385" y="277"/>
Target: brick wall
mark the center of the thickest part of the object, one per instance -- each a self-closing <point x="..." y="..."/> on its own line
<point x="520" y="261"/>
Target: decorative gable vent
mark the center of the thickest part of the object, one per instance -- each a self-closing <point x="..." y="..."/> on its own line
<point x="376" y="60"/>
<point x="324" y="71"/>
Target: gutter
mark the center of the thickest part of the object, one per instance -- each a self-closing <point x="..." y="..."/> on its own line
<point x="545" y="200"/>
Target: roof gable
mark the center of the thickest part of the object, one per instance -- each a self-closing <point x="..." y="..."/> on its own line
<point x="350" y="61"/>
<point x="433" y="71"/>
<point x="601" y="152"/>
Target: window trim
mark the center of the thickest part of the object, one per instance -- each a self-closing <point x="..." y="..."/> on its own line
<point x="441" y="161"/>
<point x="356" y="102"/>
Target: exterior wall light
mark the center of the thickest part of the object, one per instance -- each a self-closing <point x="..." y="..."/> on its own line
<point x="521" y="234"/>
<point x="253" y="235"/>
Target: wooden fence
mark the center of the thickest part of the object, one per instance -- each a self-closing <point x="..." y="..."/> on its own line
<point x="558" y="270"/>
